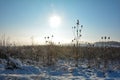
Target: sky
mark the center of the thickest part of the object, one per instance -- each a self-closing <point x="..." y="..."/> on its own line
<point x="22" y="19"/>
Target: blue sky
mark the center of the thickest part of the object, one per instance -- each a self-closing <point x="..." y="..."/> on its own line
<point x="21" y="19"/>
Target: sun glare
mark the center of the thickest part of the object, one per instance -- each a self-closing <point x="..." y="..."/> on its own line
<point x="55" y="21"/>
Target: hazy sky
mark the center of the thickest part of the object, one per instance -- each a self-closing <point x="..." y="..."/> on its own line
<point x="21" y="19"/>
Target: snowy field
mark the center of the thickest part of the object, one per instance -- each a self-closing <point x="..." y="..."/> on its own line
<point x="63" y="70"/>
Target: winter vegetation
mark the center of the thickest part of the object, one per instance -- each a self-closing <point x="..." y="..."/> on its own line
<point x="58" y="62"/>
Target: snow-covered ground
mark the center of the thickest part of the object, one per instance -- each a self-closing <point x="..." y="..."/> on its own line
<point x="63" y="70"/>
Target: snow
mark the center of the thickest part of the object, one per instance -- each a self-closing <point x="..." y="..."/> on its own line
<point x="17" y="62"/>
<point x="63" y="70"/>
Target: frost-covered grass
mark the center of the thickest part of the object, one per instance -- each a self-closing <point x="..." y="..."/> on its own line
<point x="62" y="70"/>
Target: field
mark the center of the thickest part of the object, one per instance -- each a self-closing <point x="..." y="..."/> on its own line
<point x="55" y="62"/>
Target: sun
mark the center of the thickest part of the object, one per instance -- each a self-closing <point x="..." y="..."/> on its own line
<point x="55" y="21"/>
